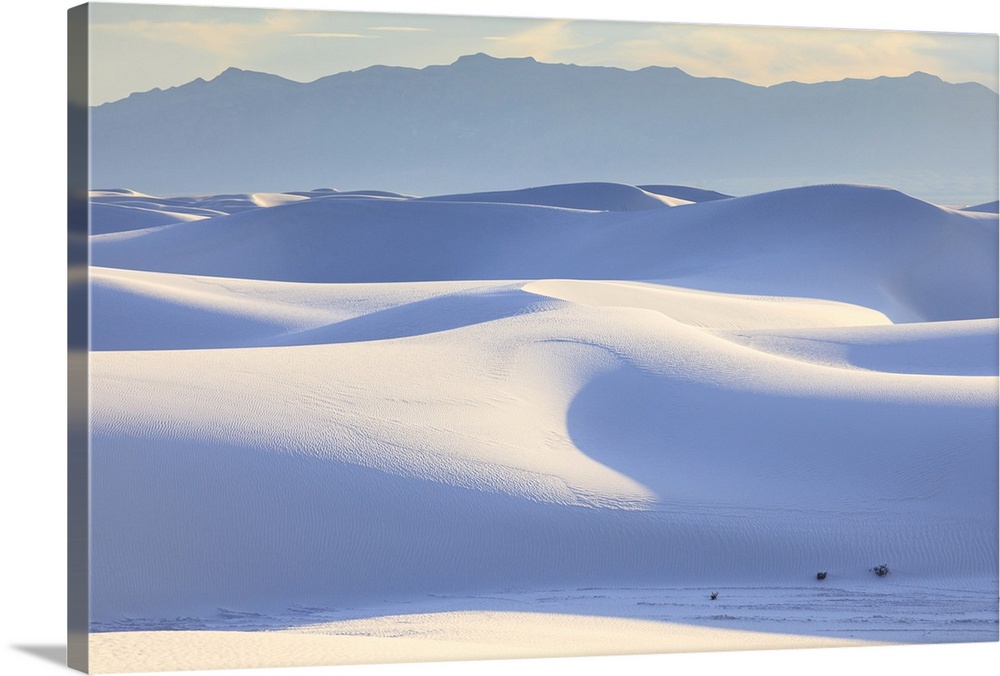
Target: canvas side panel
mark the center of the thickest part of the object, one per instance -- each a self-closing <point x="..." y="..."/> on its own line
<point x="78" y="320"/>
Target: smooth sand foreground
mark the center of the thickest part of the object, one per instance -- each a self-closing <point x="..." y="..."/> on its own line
<point x="473" y="635"/>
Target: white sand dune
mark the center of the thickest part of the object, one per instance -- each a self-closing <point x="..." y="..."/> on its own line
<point x="867" y="246"/>
<point x="112" y="217"/>
<point x="136" y="310"/>
<point x="586" y="196"/>
<point x="273" y="199"/>
<point x="961" y="348"/>
<point x="352" y="410"/>
<point x="685" y="193"/>
<point x="426" y="637"/>
<point x="710" y="310"/>
<point x="115" y="211"/>
<point x="987" y="207"/>
<point x="142" y="310"/>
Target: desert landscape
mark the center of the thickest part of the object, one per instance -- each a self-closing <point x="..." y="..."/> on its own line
<point x="590" y="418"/>
<point x="408" y="338"/>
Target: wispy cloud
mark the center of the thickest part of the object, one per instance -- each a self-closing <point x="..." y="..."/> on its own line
<point x="548" y="40"/>
<point x="232" y="39"/>
<point x="770" y="55"/>
<point x="334" y="35"/>
<point x="405" y="29"/>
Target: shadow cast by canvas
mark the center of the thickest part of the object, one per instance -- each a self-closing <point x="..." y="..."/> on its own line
<point x="55" y="653"/>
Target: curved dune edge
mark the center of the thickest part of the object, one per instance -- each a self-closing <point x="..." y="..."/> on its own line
<point x="708" y="309"/>
<point x="427" y="637"/>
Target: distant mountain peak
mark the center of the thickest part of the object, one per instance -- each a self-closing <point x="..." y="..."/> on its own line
<point x="919" y="74"/>
<point x="239" y="75"/>
<point x="917" y="77"/>
<point x="483" y="58"/>
<point x="474" y="58"/>
<point x="231" y="72"/>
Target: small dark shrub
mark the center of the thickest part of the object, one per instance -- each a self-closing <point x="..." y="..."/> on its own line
<point x="714" y="595"/>
<point x="881" y="570"/>
<point x="821" y="575"/>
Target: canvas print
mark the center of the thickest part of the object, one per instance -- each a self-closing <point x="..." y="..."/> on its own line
<point x="411" y="338"/>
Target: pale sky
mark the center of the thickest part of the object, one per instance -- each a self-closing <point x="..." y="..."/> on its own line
<point x="139" y="47"/>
